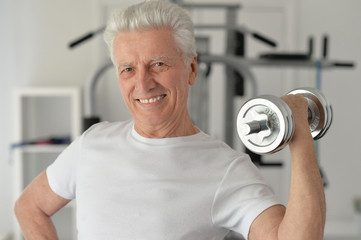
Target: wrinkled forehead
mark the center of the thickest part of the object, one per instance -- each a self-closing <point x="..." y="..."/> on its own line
<point x="145" y="44"/>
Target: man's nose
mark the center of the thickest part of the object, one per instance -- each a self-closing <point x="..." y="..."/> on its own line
<point x="144" y="81"/>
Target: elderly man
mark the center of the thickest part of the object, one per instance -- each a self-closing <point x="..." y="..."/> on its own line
<point x="158" y="176"/>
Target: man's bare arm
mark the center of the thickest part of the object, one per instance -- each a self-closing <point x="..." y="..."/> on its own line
<point x="304" y="217"/>
<point x="34" y="208"/>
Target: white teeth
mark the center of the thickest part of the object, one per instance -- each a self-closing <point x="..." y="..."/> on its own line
<point x="151" y="100"/>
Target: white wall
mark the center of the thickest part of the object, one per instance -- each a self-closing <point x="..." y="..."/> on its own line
<point x="6" y="73"/>
<point x="341" y="20"/>
<point x="33" y="46"/>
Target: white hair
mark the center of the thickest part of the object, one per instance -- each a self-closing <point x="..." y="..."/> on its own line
<point x="154" y="15"/>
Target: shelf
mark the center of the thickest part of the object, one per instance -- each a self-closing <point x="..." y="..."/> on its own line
<point x="47" y="91"/>
<point x="40" y="112"/>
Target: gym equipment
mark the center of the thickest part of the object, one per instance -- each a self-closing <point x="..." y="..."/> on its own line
<point x="265" y="124"/>
<point x="291" y="56"/>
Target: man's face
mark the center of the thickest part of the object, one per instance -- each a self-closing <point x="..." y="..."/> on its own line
<point x="152" y="76"/>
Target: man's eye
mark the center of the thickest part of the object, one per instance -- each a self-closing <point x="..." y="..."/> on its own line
<point x="126" y="72"/>
<point x="159" y="67"/>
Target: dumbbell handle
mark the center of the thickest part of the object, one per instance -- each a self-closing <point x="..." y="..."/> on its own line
<point x="253" y="127"/>
<point x="260" y="125"/>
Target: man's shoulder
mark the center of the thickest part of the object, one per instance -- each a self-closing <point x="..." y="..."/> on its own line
<point x="216" y="148"/>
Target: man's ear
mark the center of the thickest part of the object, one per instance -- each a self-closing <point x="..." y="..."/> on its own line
<point x="193" y="71"/>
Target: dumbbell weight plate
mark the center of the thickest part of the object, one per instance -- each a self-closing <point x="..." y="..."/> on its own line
<point x="330" y="114"/>
<point x="291" y="123"/>
<point x="279" y="120"/>
<point x="321" y="111"/>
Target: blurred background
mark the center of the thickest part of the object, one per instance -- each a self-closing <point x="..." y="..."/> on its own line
<point x="46" y="88"/>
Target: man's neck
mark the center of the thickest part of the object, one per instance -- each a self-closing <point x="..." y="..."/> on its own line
<point x="186" y="128"/>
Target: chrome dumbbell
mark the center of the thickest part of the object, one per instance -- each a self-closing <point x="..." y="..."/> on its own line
<point x="265" y="124"/>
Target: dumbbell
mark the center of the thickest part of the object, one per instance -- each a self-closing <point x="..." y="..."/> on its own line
<point x="265" y="124"/>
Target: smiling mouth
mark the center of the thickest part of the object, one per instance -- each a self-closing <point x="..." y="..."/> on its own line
<point x="152" y="99"/>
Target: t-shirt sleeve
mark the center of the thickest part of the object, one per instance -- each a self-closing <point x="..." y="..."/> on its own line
<point x="241" y="197"/>
<point x="62" y="172"/>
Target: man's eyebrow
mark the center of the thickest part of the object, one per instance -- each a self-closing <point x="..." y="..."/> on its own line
<point x="124" y="65"/>
<point x="127" y="64"/>
<point x="160" y="58"/>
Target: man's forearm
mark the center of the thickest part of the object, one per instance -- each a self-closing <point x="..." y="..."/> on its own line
<point x="306" y="208"/>
<point x="34" y="223"/>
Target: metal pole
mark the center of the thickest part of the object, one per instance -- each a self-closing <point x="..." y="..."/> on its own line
<point x="230" y="83"/>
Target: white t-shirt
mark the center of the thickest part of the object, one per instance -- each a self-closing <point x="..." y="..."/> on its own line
<point x="130" y="187"/>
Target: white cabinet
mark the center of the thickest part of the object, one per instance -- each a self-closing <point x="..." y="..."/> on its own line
<point x="41" y="114"/>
